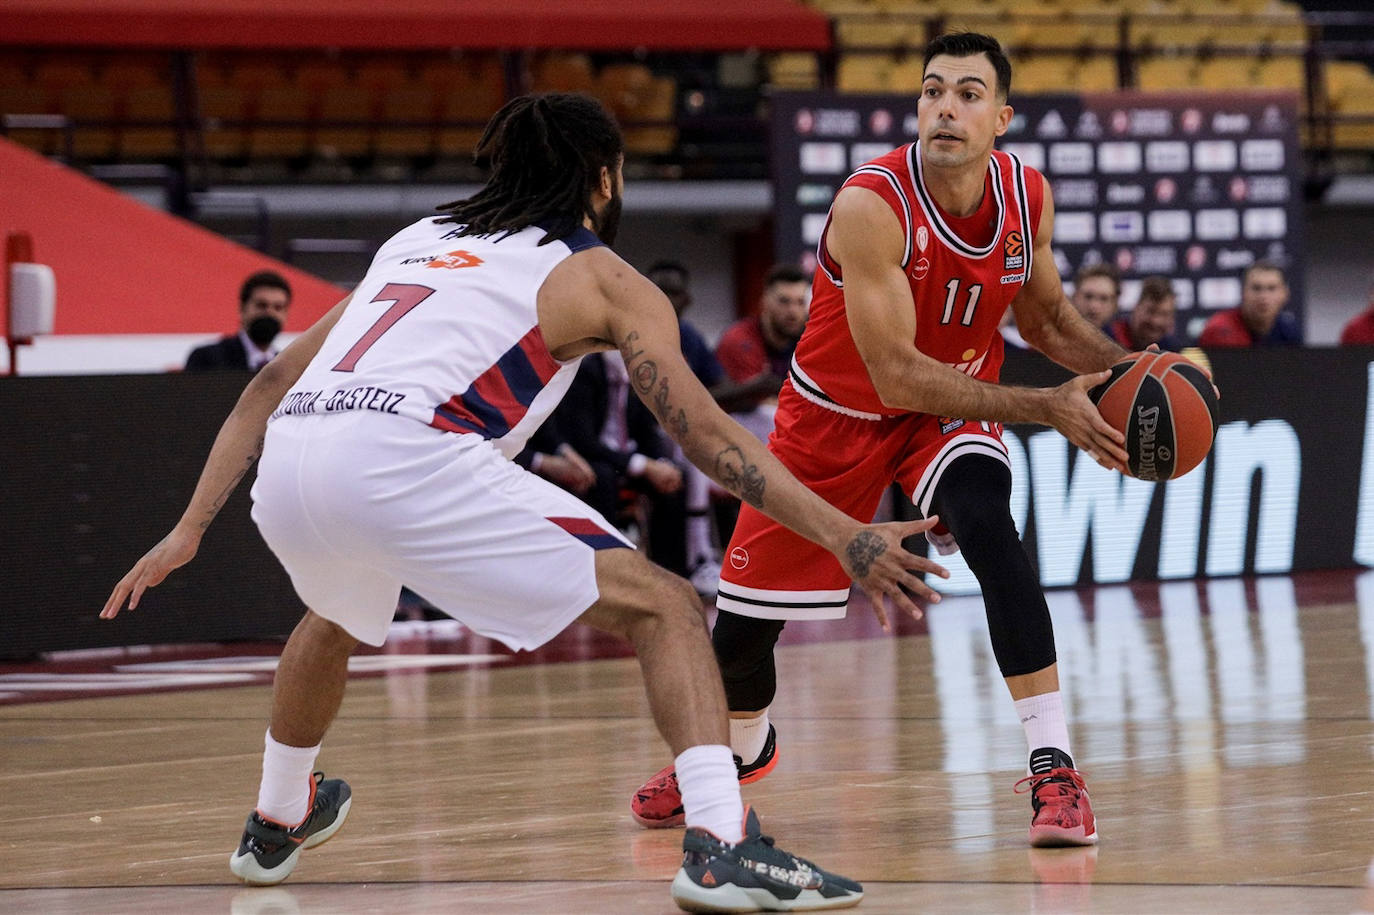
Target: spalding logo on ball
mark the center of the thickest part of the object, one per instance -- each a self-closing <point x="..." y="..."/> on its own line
<point x="1166" y="408"/>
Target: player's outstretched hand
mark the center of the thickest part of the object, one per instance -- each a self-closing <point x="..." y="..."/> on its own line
<point x="1075" y="415"/>
<point x="879" y="564"/>
<point x="173" y="551"/>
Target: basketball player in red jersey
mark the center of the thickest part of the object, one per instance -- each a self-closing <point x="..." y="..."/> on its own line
<point x="895" y="379"/>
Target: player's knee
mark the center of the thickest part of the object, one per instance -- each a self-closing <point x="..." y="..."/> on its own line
<point x="744" y="652"/>
<point x="973" y="500"/>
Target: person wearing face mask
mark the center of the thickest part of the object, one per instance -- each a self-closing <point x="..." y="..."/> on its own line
<point x="264" y="300"/>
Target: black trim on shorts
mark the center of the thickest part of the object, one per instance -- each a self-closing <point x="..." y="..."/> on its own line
<point x="808" y="605"/>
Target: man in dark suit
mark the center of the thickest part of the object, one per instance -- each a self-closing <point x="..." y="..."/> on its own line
<point x="264" y="300"/>
<point x="618" y="436"/>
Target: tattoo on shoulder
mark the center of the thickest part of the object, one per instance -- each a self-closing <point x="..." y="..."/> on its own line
<point x="862" y="550"/>
<point x="740" y="477"/>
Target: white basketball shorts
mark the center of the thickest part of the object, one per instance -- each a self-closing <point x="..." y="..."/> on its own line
<point x="357" y="505"/>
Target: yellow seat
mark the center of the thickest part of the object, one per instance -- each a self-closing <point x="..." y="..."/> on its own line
<point x="92" y="111"/>
<point x="280" y="123"/>
<point x="405" y="126"/>
<point x="346" y="118"/>
<point x="1222" y="73"/>
<point x="151" y="131"/>
<point x="879" y="32"/>
<point x="471" y="96"/>
<point x="561" y="72"/>
<point x="863" y="72"/>
<point x="1166" y="72"/>
<point x="794" y="70"/>
<point x="223" y="110"/>
<point x="1045" y="73"/>
<point x="1285" y="72"/>
<point x="1097" y="74"/>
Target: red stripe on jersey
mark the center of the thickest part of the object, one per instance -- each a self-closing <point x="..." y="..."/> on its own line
<point x="537" y="351"/>
<point x="578" y="525"/>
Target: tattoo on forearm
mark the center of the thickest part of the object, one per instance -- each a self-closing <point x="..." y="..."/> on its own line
<point x="647" y="383"/>
<point x="740" y="477"/>
<point x="862" y="550"/>
<point x="233" y="484"/>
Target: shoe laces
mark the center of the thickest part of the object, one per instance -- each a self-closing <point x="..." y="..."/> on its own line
<point x="1067" y="785"/>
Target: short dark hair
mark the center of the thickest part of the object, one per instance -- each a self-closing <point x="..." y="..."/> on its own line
<point x="667" y="266"/>
<point x="968" y="44"/>
<point x="546" y="153"/>
<point x="1101" y="268"/>
<point x="1263" y="264"/>
<point x="784" y="273"/>
<point x="1156" y="289"/>
<point x="270" y="279"/>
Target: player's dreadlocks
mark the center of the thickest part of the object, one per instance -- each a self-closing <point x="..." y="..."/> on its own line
<point x="546" y="153"/>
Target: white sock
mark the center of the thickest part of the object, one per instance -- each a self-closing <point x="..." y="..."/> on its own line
<point x="709" y="784"/>
<point x="747" y="737"/>
<point x="1042" y="717"/>
<point x="286" y="776"/>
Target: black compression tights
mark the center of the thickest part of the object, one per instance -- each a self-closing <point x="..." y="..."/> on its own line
<point x="744" y="650"/>
<point x="973" y="499"/>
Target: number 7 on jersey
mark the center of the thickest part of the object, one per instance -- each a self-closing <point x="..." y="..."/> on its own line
<point x="404" y="297"/>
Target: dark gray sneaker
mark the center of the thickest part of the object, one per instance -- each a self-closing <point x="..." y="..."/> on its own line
<point x="268" y="851"/>
<point x="754" y="875"/>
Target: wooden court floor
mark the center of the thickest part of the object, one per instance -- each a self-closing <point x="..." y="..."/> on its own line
<point x="1224" y="727"/>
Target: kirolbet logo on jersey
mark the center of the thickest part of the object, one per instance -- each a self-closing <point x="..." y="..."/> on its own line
<point x="454" y="260"/>
<point x="1013" y="252"/>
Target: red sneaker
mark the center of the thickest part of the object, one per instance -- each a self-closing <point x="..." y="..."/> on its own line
<point x="658" y="803"/>
<point x="1063" y="814"/>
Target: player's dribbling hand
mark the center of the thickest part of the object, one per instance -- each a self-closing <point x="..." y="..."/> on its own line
<point x="1074" y="414"/>
<point x="875" y="558"/>
<point x="173" y="551"/>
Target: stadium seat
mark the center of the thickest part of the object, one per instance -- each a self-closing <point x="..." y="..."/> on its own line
<point x="560" y="72"/>
<point x="150" y="131"/>
<point x="794" y="70"/>
<point x="280" y="116"/>
<point x="878" y="32"/>
<point x="27" y="99"/>
<point x="93" y="114"/>
<point x="59" y="73"/>
<point x="471" y="94"/>
<point x="405" y="127"/>
<point x="223" y="110"/>
<point x="1096" y="74"/>
<point x="1226" y="72"/>
<point x="1045" y="73"/>
<point x="907" y="75"/>
<point x="315" y="75"/>
<point x="127" y="73"/>
<point x="346" y="117"/>
<point x="254" y="74"/>
<point x="859" y="72"/>
<point x="1166" y="72"/>
<point x="1282" y="72"/>
<point x="381" y="74"/>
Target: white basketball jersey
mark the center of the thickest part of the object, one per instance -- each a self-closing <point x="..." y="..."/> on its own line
<point x="443" y="329"/>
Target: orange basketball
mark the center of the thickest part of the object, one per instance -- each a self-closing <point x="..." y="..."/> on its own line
<point x="1166" y="408"/>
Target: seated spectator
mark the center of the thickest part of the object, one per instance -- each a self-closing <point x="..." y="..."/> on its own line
<point x="758" y="350"/>
<point x="1259" y="320"/>
<point x="703" y="560"/>
<point x="1360" y="330"/>
<point x="1151" y="320"/>
<point x="1096" y="293"/>
<point x="264" y="300"/>
<point x="621" y="442"/>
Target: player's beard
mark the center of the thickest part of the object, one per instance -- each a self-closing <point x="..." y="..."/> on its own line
<point x="608" y="223"/>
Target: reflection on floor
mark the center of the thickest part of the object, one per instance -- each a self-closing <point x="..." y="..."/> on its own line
<point x="1224" y="727"/>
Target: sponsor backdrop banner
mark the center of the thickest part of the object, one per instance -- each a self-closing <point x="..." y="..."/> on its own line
<point x="1194" y="187"/>
<point x="98" y="468"/>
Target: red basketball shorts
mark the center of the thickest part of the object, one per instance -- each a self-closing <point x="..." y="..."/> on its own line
<point x="770" y="572"/>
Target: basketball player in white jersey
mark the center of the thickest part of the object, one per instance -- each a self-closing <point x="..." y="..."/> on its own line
<point x="384" y="434"/>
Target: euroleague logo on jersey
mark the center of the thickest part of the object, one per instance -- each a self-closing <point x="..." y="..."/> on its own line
<point x="1013" y="252"/>
<point x="454" y="260"/>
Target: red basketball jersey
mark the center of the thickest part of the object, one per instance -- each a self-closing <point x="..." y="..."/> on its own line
<point x="963" y="272"/>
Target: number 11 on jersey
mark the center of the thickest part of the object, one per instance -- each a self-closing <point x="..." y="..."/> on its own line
<point x="952" y="293"/>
